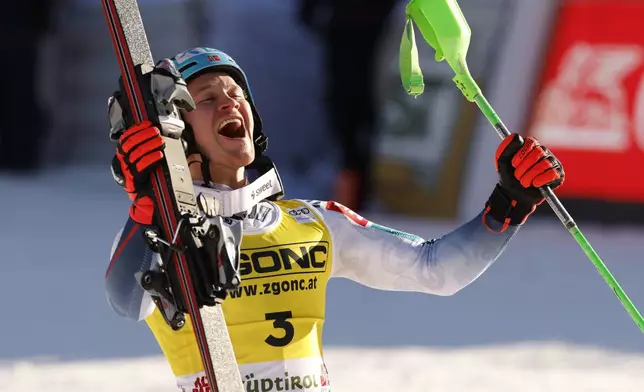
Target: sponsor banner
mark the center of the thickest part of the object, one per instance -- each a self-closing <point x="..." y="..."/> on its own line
<point x="589" y="107"/>
<point x="424" y="142"/>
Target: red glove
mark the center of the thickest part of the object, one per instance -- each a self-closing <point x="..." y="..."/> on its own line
<point x="523" y="166"/>
<point x="139" y="151"/>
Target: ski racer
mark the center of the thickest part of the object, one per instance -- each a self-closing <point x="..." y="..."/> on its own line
<point x="291" y="248"/>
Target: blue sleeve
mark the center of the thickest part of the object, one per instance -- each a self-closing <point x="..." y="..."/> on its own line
<point x="388" y="259"/>
<point x="130" y="257"/>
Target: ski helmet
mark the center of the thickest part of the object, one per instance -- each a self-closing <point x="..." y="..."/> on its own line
<point x="200" y="60"/>
<point x="191" y="64"/>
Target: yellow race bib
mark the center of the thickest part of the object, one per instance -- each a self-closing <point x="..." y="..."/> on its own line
<point x="275" y="318"/>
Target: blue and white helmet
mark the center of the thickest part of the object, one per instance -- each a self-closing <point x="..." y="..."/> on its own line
<point x="197" y="61"/>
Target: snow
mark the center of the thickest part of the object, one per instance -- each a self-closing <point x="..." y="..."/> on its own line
<point x="540" y="319"/>
<point x="526" y="368"/>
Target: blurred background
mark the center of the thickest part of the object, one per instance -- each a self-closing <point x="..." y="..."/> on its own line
<point x="324" y="74"/>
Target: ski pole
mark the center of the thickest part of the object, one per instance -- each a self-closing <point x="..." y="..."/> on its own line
<point x="444" y="28"/>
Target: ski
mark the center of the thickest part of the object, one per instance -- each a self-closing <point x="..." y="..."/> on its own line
<point x="199" y="264"/>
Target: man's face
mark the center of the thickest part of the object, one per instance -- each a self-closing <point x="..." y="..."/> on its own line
<point x="222" y="121"/>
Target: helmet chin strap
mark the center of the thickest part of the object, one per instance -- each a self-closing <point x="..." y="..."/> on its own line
<point x="205" y="170"/>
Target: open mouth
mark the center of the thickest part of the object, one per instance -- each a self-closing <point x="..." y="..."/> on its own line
<point x="232" y="128"/>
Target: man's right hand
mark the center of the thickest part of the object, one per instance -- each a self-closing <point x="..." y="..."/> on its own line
<point x="139" y="151"/>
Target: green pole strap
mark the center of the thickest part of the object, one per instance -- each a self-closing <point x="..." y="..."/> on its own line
<point x="442" y="24"/>
<point x="410" y="73"/>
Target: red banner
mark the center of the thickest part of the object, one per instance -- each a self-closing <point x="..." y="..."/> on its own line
<point x="589" y="109"/>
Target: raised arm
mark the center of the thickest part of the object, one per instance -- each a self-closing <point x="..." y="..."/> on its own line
<point x="388" y="259"/>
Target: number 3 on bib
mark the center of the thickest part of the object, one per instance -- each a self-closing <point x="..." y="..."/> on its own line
<point x="280" y="321"/>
